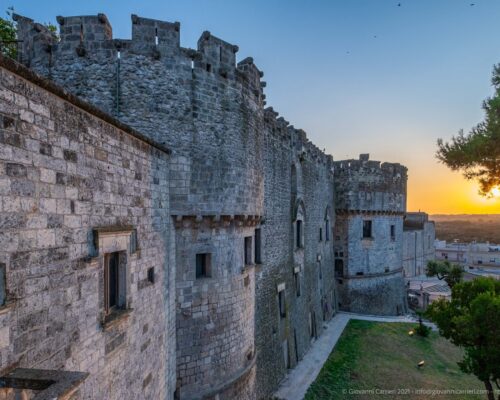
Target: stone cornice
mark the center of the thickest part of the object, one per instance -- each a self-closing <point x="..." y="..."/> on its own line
<point x="344" y="211"/>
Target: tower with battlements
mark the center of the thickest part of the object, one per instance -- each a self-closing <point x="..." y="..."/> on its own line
<point x="270" y="236"/>
<point x="370" y="203"/>
<point x="207" y="108"/>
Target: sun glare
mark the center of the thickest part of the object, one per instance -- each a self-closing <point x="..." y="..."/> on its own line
<point x="495" y="192"/>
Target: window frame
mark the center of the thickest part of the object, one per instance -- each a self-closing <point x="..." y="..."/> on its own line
<point x="3" y="284"/>
<point x="367" y="229"/>
<point x="119" y="290"/>
<point x="258" y="246"/>
<point x="298" y="234"/>
<point x="282" y="303"/>
<point x="248" y="250"/>
<point x="339" y="264"/>
<point x="205" y="262"/>
<point x="296" y="275"/>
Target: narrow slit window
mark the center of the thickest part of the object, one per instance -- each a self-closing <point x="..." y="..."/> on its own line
<point x="248" y="250"/>
<point x="393" y="232"/>
<point x="3" y="284"/>
<point x="299" y="233"/>
<point x="151" y="275"/>
<point x="339" y="268"/>
<point x="282" y="305"/>
<point x="320" y="234"/>
<point x="112" y="287"/>
<point x="367" y="229"/>
<point x="297" y="283"/>
<point x="203" y="265"/>
<point x="258" y="246"/>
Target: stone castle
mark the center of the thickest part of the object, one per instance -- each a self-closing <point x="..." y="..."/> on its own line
<point x="163" y="234"/>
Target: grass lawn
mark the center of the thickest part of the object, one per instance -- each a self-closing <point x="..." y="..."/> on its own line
<point x="379" y="355"/>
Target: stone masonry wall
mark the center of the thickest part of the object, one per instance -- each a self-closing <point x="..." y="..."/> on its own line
<point x="235" y="168"/>
<point x="65" y="171"/>
<point x="197" y="102"/>
<point x="215" y="313"/>
<point x="369" y="275"/>
<point x="209" y="110"/>
<point x="298" y="184"/>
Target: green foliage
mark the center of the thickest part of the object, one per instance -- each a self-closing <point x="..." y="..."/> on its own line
<point x="451" y="273"/>
<point x="477" y="154"/>
<point x="471" y="320"/>
<point x="8" y="34"/>
<point x="422" y="330"/>
<point x="8" y="46"/>
<point x="378" y="355"/>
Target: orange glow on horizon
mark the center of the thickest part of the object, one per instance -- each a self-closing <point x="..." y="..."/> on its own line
<point x="441" y="191"/>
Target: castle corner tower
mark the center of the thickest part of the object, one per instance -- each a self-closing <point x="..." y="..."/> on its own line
<point x="370" y="202"/>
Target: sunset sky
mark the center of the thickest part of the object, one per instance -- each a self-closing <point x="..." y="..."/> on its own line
<point x="359" y="76"/>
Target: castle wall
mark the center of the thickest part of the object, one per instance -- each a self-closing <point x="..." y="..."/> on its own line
<point x="371" y="281"/>
<point x="209" y="110"/>
<point x="236" y="168"/>
<point x="76" y="185"/>
<point x="298" y="185"/>
<point x="215" y="313"/>
<point x="197" y="102"/>
<point x="369" y="259"/>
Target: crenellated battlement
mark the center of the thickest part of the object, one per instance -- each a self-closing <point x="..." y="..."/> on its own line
<point x="87" y="39"/>
<point x="294" y="138"/>
<point x="217" y="55"/>
<point x="253" y="204"/>
<point x="367" y="166"/>
<point x="151" y="33"/>
<point x="366" y="185"/>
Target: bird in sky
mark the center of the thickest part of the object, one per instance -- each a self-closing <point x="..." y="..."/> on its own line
<point x="399" y="4"/>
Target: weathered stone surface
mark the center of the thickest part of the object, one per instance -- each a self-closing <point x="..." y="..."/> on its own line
<point x="237" y="173"/>
<point x="53" y="317"/>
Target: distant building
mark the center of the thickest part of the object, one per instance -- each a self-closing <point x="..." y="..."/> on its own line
<point x="483" y="255"/>
<point x="453" y="252"/>
<point x="418" y="243"/>
<point x="472" y="255"/>
<point x="478" y="259"/>
<point x="422" y="292"/>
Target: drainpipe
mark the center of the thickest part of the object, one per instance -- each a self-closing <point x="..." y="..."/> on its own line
<point x="118" y="82"/>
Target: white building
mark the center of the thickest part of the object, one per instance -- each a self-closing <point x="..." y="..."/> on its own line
<point x="478" y="259"/>
<point x="418" y="243"/>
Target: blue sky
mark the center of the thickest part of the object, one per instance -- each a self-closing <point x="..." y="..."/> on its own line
<point x="356" y="75"/>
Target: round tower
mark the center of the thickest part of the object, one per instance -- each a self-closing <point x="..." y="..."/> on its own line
<point x="209" y="110"/>
<point x="370" y="202"/>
